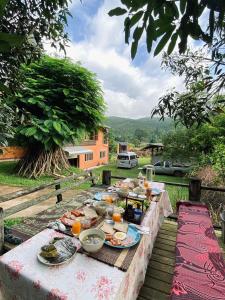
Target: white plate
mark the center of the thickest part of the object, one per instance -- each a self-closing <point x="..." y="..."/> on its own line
<point x="48" y="263"/>
<point x="60" y="250"/>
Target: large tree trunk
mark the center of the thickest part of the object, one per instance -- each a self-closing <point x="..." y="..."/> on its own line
<point x="39" y="161"/>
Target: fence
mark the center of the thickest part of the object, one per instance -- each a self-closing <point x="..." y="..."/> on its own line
<point x="79" y="179"/>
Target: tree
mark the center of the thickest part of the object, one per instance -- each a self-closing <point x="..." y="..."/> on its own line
<point x="204" y="80"/>
<point x="169" y="22"/>
<point x="195" y="143"/>
<point x="24" y="27"/>
<point x="172" y="22"/>
<point x="58" y="102"/>
<point x="7" y="122"/>
<point x="140" y="134"/>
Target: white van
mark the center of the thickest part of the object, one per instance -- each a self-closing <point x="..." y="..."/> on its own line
<point x="127" y="160"/>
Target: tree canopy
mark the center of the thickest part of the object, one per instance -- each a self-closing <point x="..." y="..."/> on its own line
<point x="58" y="101"/>
<point x="169" y="22"/>
<point x="24" y="27"/>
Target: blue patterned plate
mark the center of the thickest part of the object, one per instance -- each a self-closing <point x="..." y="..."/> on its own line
<point x="156" y="191"/>
<point x="100" y="195"/>
<point x="133" y="237"/>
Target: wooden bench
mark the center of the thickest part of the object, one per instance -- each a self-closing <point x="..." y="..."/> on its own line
<point x="72" y="181"/>
<point x="199" y="270"/>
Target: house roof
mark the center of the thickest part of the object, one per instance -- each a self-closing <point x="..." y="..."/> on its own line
<point x="153" y="146"/>
<point x="73" y="151"/>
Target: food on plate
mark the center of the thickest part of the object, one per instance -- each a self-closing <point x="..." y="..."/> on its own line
<point x="90" y="213"/>
<point x="66" y="221"/>
<point x="115" y="242"/>
<point x="49" y="251"/>
<point x="121" y="227"/>
<point x="108" y="237"/>
<point x="77" y="213"/>
<point x="107" y="228"/>
<point x="85" y="223"/>
<point x="69" y="215"/>
<point x="120" y="235"/>
<point x="93" y="221"/>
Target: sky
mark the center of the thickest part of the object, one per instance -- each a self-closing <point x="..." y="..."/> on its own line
<point x="131" y="88"/>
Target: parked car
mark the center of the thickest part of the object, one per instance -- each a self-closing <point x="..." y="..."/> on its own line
<point x="127" y="160"/>
<point x="170" y="168"/>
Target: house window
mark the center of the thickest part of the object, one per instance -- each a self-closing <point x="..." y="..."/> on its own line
<point x="88" y="156"/>
<point x="102" y="154"/>
<point x="105" y="138"/>
<point x="94" y="136"/>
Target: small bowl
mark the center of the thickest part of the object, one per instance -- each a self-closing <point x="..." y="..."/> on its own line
<point x="122" y="192"/>
<point x="100" y="207"/>
<point x="92" y="248"/>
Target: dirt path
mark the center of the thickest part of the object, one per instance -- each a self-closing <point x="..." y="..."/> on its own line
<point x="31" y="211"/>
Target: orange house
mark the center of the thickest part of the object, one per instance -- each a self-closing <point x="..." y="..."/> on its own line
<point x="89" y="153"/>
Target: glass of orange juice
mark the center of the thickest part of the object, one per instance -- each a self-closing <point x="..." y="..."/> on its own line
<point x="146" y="185"/>
<point x="108" y="199"/>
<point x="116" y="217"/>
<point x="76" y="227"/>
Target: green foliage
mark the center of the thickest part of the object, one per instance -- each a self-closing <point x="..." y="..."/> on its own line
<point x="23" y="27"/>
<point x="58" y="101"/>
<point x="7" y="123"/>
<point x="139" y="130"/>
<point x="218" y="159"/>
<point x="195" y="144"/>
<point x="165" y="21"/>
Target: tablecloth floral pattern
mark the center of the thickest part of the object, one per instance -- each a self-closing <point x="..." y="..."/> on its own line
<point x="23" y="277"/>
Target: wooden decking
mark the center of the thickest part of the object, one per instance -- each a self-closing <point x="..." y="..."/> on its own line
<point x="160" y="270"/>
<point x="159" y="274"/>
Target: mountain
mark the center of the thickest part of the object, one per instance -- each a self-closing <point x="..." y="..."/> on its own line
<point x="142" y="130"/>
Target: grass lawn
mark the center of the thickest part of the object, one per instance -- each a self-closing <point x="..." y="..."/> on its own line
<point x="8" y="177"/>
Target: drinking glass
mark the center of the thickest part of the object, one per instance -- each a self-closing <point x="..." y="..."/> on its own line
<point x="76" y="227"/>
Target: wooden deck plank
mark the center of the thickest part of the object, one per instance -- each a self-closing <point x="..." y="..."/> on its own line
<point x="165" y="242"/>
<point x="165" y="247"/>
<point x="162" y="259"/>
<point x="168" y="232"/>
<point x="163" y="253"/>
<point x="158" y="285"/>
<point x="161" y="267"/>
<point x="161" y="276"/>
<point x="165" y="236"/>
<point x="151" y="294"/>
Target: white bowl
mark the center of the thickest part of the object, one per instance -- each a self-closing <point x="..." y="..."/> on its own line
<point x="92" y="247"/>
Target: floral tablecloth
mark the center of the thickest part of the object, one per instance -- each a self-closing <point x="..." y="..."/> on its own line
<point x="83" y="278"/>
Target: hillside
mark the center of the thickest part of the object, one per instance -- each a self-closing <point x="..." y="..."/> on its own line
<point x="139" y="130"/>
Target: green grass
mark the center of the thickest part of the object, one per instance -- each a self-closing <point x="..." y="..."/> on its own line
<point x="8" y="177"/>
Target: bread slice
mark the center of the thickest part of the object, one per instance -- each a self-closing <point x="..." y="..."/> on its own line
<point x="90" y="213"/>
<point x="121" y="227"/>
<point x="107" y="228"/>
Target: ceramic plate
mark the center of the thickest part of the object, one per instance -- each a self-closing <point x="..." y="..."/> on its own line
<point x="133" y="237"/>
<point x="98" y="196"/>
<point x="156" y="191"/>
<point x="66" y="250"/>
